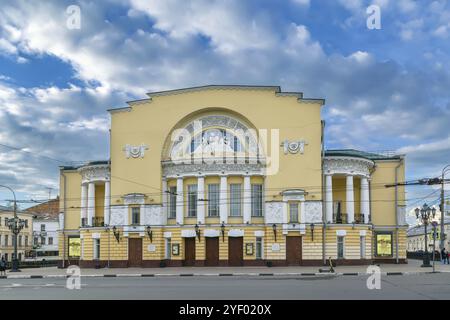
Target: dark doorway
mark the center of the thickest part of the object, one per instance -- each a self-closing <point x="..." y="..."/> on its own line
<point x="189" y="251"/>
<point x="134" y="252"/>
<point x="235" y="251"/>
<point x="212" y="251"/>
<point x="294" y="251"/>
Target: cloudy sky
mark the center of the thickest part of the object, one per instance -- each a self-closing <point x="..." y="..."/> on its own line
<point x="386" y="89"/>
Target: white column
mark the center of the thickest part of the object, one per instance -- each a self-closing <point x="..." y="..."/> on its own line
<point x="302" y="212"/>
<point x="223" y="199"/>
<point x="201" y="200"/>
<point x="180" y="201"/>
<point x="91" y="203"/>
<point x="350" y="199"/>
<point x="365" y="205"/>
<point x="164" y="197"/>
<point x="84" y="197"/>
<point x="247" y="199"/>
<point x="107" y="202"/>
<point x="329" y="197"/>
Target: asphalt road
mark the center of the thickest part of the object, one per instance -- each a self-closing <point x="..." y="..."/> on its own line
<point x="425" y="286"/>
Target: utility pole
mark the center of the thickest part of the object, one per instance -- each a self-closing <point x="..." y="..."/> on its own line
<point x="442" y="207"/>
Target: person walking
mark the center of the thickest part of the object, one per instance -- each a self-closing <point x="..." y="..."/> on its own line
<point x="444" y="255"/>
<point x="3" y="267"/>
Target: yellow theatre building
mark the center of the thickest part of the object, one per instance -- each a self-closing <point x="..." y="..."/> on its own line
<point x="229" y="176"/>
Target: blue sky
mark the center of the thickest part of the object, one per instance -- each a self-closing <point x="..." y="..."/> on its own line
<point x="385" y="89"/>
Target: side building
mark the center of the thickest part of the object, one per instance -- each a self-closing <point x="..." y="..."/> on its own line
<point x="229" y="175"/>
<point x="24" y="238"/>
<point x="45" y="230"/>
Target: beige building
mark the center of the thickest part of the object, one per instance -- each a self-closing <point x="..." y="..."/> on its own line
<point x="24" y="239"/>
<point x="229" y="175"/>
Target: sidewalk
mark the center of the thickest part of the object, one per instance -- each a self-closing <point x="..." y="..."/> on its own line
<point x="413" y="267"/>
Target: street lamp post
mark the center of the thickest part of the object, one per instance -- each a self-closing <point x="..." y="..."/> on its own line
<point x="16" y="225"/>
<point x="424" y="214"/>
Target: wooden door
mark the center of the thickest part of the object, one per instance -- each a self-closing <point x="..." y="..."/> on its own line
<point x="134" y="252"/>
<point x="212" y="251"/>
<point x="189" y="251"/>
<point x="294" y="251"/>
<point x="235" y="251"/>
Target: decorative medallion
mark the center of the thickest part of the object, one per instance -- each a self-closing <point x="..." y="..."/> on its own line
<point x="293" y="147"/>
<point x="135" y="151"/>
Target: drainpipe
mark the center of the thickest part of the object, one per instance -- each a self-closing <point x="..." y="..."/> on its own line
<point x="64" y="219"/>
<point x="324" y="220"/>
<point x="396" y="209"/>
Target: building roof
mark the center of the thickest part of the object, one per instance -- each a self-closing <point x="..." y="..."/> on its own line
<point x="362" y="154"/>
<point x="90" y="163"/>
<point x="276" y="89"/>
<point x="47" y="210"/>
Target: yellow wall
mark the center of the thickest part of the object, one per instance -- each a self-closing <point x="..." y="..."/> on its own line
<point x="382" y="198"/>
<point x="153" y="122"/>
<point x="73" y="198"/>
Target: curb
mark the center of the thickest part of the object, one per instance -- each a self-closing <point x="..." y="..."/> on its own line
<point x="162" y="275"/>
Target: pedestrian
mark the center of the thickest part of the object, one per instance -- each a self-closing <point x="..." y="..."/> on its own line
<point x="448" y="257"/>
<point x="444" y="255"/>
<point x="3" y="266"/>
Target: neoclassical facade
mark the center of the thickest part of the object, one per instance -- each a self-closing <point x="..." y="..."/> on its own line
<point x="229" y="175"/>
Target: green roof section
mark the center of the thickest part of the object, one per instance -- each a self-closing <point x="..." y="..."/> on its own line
<point x="384" y="155"/>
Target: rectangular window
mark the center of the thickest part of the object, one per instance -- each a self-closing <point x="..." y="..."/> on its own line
<point x="213" y="200"/>
<point x="135" y="215"/>
<point x="383" y="244"/>
<point x="6" y="240"/>
<point x="192" y="200"/>
<point x="340" y="247"/>
<point x="74" y="247"/>
<point x="35" y="241"/>
<point x="172" y="202"/>
<point x="50" y="240"/>
<point x="26" y="241"/>
<point x="235" y="200"/>
<point x="43" y="240"/>
<point x="96" y="249"/>
<point x="168" y="248"/>
<point x="293" y="212"/>
<point x="362" y="248"/>
<point x="259" y="248"/>
<point x="42" y="227"/>
<point x="20" y="241"/>
<point x="256" y="200"/>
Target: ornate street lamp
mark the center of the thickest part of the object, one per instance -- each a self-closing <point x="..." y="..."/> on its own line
<point x="15" y="225"/>
<point x="116" y="233"/>
<point x="150" y="233"/>
<point x="197" y="232"/>
<point x="424" y="214"/>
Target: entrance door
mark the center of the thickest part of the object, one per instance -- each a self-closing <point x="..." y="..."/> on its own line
<point x="189" y="251"/>
<point x="235" y="251"/>
<point x="212" y="251"/>
<point x="294" y="251"/>
<point x="134" y="252"/>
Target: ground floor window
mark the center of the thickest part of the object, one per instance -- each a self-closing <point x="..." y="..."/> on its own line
<point x="168" y="248"/>
<point x="74" y="247"/>
<point x="362" y="248"/>
<point x="340" y="247"/>
<point x="96" y="249"/>
<point x="259" y="248"/>
<point x="383" y="244"/>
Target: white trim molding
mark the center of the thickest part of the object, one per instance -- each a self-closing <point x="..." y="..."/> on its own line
<point x="188" y="233"/>
<point x="211" y="233"/>
<point x="94" y="173"/>
<point x="347" y="166"/>
<point x="236" y="233"/>
<point x="341" y="233"/>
